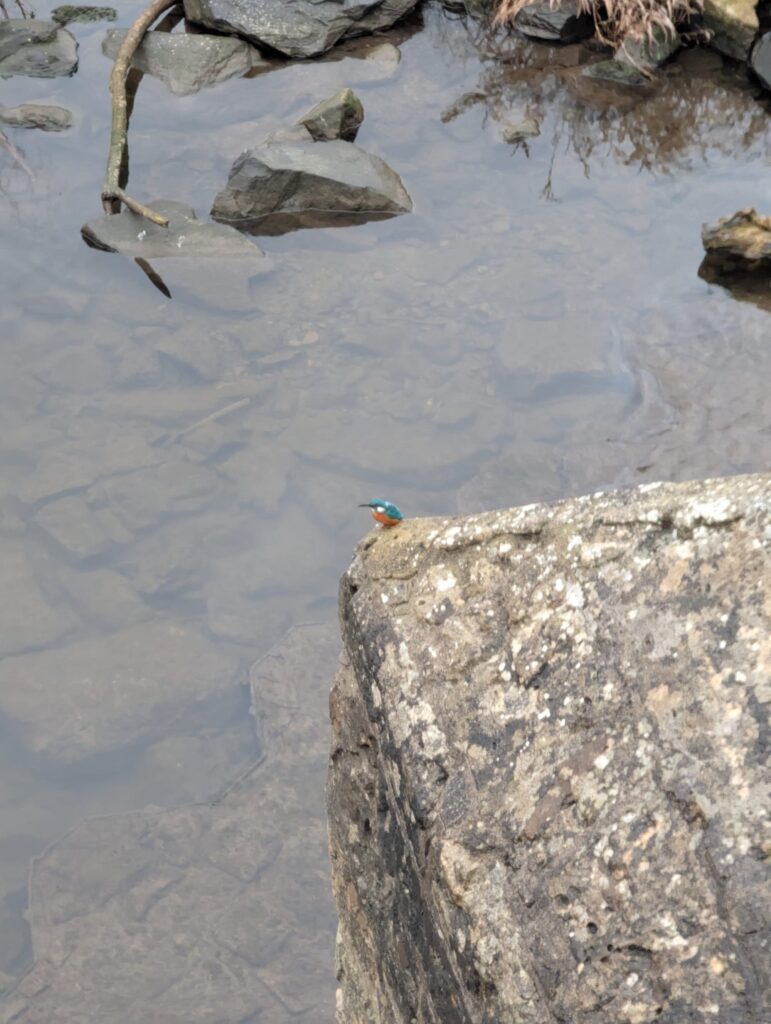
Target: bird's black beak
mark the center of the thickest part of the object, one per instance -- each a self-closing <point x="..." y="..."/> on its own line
<point x="365" y="506"/>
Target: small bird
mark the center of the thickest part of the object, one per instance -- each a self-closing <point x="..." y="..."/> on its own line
<point x="385" y="512"/>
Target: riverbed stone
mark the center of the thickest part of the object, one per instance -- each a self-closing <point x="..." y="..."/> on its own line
<point x="34" y="615"/>
<point x="546" y="783"/>
<point x="337" y="117"/>
<point x="287" y="183"/>
<point x="561" y="24"/>
<point x="213" y="912"/>
<point x="187" y="62"/>
<point x="739" y="243"/>
<point x="733" y="25"/>
<point x="761" y="59"/>
<point x="297" y="28"/>
<point x="46" y="117"/>
<point x="81" y="531"/>
<point x="96" y="696"/>
<point x="38" y="49"/>
<point x="648" y="54"/>
<point x="67" y="13"/>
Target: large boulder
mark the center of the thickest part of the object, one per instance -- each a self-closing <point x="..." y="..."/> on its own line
<point x="733" y="25"/>
<point x="187" y="62"/>
<point x="38" y="49"/>
<point x="297" y="28"/>
<point x="291" y="182"/>
<point x="546" y="784"/>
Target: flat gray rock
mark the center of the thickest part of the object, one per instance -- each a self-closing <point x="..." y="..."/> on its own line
<point x="297" y="28"/>
<point x="548" y="775"/>
<point x="38" y="49"/>
<point x="204" y="914"/>
<point x="282" y="185"/>
<point x="186" y="62"/>
<point x="32" y="618"/>
<point x="761" y="59"/>
<point x="337" y="117"/>
<point x="561" y="24"/>
<point x="96" y="696"/>
<point x="213" y="262"/>
<point x="46" y="117"/>
<point x="649" y="54"/>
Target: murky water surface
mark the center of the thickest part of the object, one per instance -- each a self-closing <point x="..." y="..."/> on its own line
<point x="535" y="329"/>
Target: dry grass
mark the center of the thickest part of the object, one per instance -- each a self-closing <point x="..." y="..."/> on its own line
<point x="617" y="20"/>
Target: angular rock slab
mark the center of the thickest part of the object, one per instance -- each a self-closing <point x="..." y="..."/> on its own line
<point x="187" y="63"/>
<point x="213" y="262"/>
<point x="337" y="117"/>
<point x="204" y="914"/>
<point x="84" y="13"/>
<point x="561" y="24"/>
<point x="297" y="28"/>
<point x="286" y="184"/>
<point x="547" y="783"/>
<point x="38" y="49"/>
<point x="733" y="24"/>
<point x="761" y="59"/>
<point x="739" y="243"/>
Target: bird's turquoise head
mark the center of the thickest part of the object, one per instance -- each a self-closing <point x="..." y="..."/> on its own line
<point x="383" y="511"/>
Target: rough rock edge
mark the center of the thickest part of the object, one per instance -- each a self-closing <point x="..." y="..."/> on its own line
<point x="429" y="929"/>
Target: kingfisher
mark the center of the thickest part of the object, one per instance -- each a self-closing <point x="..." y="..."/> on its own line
<point x="385" y="512"/>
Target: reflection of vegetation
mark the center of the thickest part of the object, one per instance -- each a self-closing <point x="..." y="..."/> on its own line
<point x="22" y="10"/>
<point x="617" y="20"/>
<point x="691" y="108"/>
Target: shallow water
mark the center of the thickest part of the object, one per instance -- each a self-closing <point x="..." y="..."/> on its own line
<point x="535" y="329"/>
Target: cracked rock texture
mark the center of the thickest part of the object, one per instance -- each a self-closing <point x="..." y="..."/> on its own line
<point x="545" y="791"/>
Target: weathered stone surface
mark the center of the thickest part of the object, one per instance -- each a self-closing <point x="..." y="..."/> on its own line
<point x="38" y="49"/>
<point x="101" y="695"/>
<point x="205" y="914"/>
<point x="185" y="62"/>
<point x="546" y="784"/>
<point x="337" y="117"/>
<point x="648" y="54"/>
<point x="285" y="184"/>
<point x="522" y="131"/>
<point x="561" y="24"/>
<point x="298" y="28"/>
<point x="733" y="24"/>
<point x="739" y="243"/>
<point x="616" y="72"/>
<point x="37" y="115"/>
<point x="761" y="59"/>
<point x="67" y="13"/>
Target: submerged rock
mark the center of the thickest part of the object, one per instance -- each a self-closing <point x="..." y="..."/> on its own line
<point x="338" y="117"/>
<point x="546" y="778"/>
<point x="617" y="72"/>
<point x="68" y="13"/>
<point x="739" y="243"/>
<point x="561" y="24"/>
<point x="212" y="262"/>
<point x="186" y="62"/>
<point x="761" y="59"/>
<point x="297" y="28"/>
<point x="38" y="49"/>
<point x="285" y="184"/>
<point x="733" y="25"/>
<point x="37" y="115"/>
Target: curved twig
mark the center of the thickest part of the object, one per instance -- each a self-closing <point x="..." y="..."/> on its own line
<point x="112" y="193"/>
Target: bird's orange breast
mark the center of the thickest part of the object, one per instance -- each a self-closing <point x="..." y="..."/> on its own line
<point x="384" y="519"/>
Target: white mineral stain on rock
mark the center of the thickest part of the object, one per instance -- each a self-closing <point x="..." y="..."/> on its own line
<point x="574" y="595"/>
<point x="447" y="583"/>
